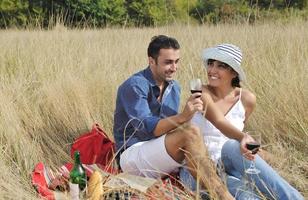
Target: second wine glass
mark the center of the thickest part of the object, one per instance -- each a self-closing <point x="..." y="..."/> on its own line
<point x="248" y="190"/>
<point x="195" y="85"/>
<point x="253" y="147"/>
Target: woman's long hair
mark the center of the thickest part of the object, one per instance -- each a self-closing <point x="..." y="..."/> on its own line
<point x="236" y="82"/>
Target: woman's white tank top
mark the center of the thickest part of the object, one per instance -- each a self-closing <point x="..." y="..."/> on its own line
<point x="213" y="138"/>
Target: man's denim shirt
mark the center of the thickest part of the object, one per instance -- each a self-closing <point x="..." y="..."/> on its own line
<point x="138" y="110"/>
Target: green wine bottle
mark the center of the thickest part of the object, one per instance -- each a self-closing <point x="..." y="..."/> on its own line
<point x="77" y="177"/>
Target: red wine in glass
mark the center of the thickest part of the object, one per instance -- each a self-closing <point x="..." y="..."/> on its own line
<point x="253" y="146"/>
<point x="195" y="86"/>
<point x="194" y="91"/>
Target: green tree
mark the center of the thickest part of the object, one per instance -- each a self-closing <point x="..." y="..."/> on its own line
<point x="13" y="13"/>
<point x="100" y="13"/>
<point x="45" y="12"/>
<point x="214" y="11"/>
<point x="112" y="12"/>
<point x="95" y="12"/>
<point x="180" y="9"/>
<point x="278" y="4"/>
<point x="147" y="12"/>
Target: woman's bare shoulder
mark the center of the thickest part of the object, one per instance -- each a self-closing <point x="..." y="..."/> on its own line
<point x="248" y="98"/>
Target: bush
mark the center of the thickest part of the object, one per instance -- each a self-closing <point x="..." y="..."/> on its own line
<point x="102" y="13"/>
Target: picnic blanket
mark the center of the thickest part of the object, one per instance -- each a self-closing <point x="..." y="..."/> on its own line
<point x="104" y="179"/>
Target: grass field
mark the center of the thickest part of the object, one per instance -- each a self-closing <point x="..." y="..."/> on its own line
<point x="56" y="83"/>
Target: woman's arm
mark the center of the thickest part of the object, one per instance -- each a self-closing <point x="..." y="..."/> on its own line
<point x="215" y="116"/>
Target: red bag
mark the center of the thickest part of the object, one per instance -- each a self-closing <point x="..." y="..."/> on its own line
<point x="95" y="147"/>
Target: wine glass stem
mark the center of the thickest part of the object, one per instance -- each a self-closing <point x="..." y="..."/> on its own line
<point x="252" y="165"/>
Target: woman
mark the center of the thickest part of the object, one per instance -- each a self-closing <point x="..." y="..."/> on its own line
<point x="223" y="64"/>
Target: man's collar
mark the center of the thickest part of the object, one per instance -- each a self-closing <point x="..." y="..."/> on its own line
<point x="149" y="75"/>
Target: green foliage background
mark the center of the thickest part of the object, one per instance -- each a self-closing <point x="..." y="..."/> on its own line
<point x="102" y="13"/>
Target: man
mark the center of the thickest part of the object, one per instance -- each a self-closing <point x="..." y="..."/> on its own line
<point x="146" y="122"/>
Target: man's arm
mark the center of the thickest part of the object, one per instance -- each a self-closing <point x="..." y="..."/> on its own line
<point x="134" y="98"/>
<point x="192" y="105"/>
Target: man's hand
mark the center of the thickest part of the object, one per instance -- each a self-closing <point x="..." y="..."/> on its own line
<point x="193" y="104"/>
<point x="247" y="153"/>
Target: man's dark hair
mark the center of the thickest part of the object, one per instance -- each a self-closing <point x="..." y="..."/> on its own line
<point x="161" y="42"/>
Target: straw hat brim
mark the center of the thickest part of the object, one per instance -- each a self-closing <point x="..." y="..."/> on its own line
<point x="216" y="54"/>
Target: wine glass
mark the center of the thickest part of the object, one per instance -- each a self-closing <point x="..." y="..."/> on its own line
<point x="248" y="191"/>
<point x="195" y="85"/>
<point x="253" y="147"/>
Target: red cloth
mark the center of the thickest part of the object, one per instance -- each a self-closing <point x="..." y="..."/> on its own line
<point x="40" y="182"/>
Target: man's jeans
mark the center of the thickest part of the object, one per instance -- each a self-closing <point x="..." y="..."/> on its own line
<point x="268" y="181"/>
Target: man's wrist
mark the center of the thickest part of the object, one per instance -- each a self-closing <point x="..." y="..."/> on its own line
<point x="181" y="118"/>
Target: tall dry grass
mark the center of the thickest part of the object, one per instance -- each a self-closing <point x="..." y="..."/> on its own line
<point x="56" y="83"/>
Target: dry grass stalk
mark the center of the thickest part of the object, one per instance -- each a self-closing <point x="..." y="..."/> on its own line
<point x="55" y="84"/>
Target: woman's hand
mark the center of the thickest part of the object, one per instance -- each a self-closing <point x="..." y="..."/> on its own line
<point x="245" y="152"/>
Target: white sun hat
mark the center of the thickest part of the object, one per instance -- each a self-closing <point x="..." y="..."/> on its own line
<point x="226" y="53"/>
